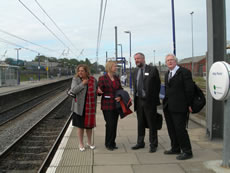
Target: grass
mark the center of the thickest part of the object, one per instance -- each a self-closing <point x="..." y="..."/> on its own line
<point x="31" y="77"/>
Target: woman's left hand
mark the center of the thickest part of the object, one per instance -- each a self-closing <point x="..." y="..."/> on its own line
<point x="190" y="109"/>
<point x="118" y="99"/>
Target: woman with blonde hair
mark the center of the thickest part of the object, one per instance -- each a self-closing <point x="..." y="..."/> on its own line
<point x="108" y="84"/>
<point x="83" y="107"/>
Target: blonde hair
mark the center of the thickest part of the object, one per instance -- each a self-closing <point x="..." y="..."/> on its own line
<point x="108" y="65"/>
<point x="85" y="67"/>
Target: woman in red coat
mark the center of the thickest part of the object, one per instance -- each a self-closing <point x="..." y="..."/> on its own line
<point x="108" y="84"/>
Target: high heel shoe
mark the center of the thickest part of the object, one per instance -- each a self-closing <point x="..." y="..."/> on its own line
<point x="81" y="148"/>
<point x="92" y="147"/>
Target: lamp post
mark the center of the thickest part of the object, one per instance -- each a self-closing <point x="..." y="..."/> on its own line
<point x="130" y="55"/>
<point x="192" y="40"/>
<point x="121" y="49"/>
<point x="18" y="73"/>
<point x="173" y="29"/>
<point x="122" y="59"/>
<point x="154" y="56"/>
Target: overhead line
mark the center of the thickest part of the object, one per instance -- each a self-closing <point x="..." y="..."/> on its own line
<point x="99" y="28"/>
<point x="25" y="40"/>
<point x="103" y="21"/>
<point x="43" y="24"/>
<point x="8" y="42"/>
<point x="55" y="24"/>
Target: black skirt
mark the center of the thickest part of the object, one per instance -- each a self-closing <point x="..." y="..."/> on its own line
<point x="79" y="121"/>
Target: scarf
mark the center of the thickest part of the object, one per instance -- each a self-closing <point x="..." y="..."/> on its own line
<point x="90" y="107"/>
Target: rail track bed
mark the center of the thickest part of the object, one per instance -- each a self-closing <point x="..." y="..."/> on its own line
<point x="32" y="150"/>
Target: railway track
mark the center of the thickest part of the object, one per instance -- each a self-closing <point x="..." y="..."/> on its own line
<point x="32" y="151"/>
<point x="17" y="110"/>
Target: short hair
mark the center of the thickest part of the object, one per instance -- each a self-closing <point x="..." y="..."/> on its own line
<point x="174" y="57"/>
<point x="139" y="53"/>
<point x="108" y="65"/>
<point x="85" y="67"/>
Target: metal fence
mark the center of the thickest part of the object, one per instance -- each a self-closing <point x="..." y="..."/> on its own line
<point x="8" y="75"/>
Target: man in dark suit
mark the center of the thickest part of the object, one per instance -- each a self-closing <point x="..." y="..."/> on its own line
<point x="179" y="90"/>
<point x="146" y="82"/>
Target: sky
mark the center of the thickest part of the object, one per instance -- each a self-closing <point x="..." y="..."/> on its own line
<point x="149" y="21"/>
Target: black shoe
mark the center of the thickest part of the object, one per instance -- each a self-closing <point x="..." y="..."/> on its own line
<point x="171" y="152"/>
<point x="138" y="146"/>
<point x="110" y="148"/>
<point x="115" y="147"/>
<point x="184" y="156"/>
<point x="152" y="149"/>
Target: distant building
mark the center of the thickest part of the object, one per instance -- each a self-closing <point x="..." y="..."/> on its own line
<point x="199" y="64"/>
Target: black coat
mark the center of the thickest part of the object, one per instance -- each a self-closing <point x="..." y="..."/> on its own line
<point x="178" y="91"/>
<point x="151" y="86"/>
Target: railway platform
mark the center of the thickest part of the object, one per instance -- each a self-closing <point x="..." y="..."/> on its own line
<point x="207" y="154"/>
<point x="28" y="84"/>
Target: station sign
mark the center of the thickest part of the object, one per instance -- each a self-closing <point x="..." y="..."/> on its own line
<point x="219" y="80"/>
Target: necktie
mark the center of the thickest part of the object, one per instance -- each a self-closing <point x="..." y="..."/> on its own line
<point x="140" y="84"/>
<point x="170" y="76"/>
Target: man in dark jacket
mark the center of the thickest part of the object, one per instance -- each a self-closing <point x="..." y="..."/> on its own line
<point x="179" y="90"/>
<point x="146" y="98"/>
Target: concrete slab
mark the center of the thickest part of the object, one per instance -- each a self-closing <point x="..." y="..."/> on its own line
<point x="113" y="169"/>
<point x="164" y="168"/>
<point x="195" y="167"/>
<point x="156" y="158"/>
<point x="115" y="159"/>
<point x="215" y="165"/>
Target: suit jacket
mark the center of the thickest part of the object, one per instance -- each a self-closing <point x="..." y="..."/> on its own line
<point x="109" y="90"/>
<point x="178" y="91"/>
<point x="151" y="86"/>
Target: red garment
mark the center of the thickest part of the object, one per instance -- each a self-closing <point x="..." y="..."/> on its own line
<point x="109" y="89"/>
<point x="126" y="111"/>
<point x="90" y="107"/>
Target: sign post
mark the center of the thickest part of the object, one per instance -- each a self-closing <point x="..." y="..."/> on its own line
<point x="219" y="83"/>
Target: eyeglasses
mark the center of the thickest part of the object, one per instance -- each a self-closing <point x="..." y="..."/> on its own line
<point x="169" y="60"/>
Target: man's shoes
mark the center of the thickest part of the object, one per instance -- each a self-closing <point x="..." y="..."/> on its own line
<point x="115" y="147"/>
<point x="152" y="149"/>
<point x="110" y="148"/>
<point x="184" y="156"/>
<point x="138" y="146"/>
<point x="171" y="152"/>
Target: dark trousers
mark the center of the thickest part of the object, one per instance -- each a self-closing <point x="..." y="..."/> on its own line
<point x="111" y="119"/>
<point x="146" y="117"/>
<point x="178" y="134"/>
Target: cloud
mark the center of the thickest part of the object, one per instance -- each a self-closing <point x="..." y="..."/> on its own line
<point x="149" y="21"/>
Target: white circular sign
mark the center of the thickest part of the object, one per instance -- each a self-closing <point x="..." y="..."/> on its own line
<point x="219" y="80"/>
